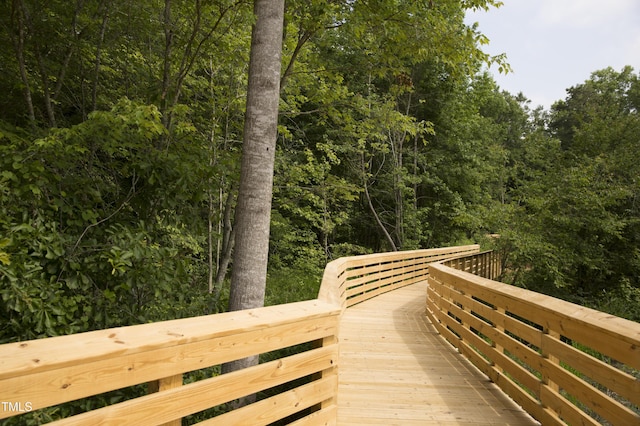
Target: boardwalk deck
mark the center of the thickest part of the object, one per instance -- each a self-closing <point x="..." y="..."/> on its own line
<point x="396" y="370"/>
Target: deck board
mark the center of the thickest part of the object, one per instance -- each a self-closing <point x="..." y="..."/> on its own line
<point x="396" y="370"/>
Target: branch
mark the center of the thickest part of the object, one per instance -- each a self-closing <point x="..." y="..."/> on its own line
<point x="373" y="210"/>
<point x="92" y="225"/>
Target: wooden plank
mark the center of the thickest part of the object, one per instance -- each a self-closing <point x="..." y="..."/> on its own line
<point x="591" y="397"/>
<point x="396" y="369"/>
<point x="329" y="373"/>
<point x="564" y="409"/>
<point x="277" y="407"/>
<point x="164" y="384"/>
<point x="365" y="268"/>
<point x="516" y="327"/>
<point x="375" y="291"/>
<point x="324" y="417"/>
<point x="355" y="275"/>
<point x="46" y="387"/>
<point x="388" y="276"/>
<point x="372" y="282"/>
<point x="332" y="281"/>
<point x="194" y="397"/>
<point x="525" y="354"/>
<point x="56" y="352"/>
<point x="514" y="391"/>
<point x="500" y="339"/>
<point x="440" y="252"/>
<point x="368" y="264"/>
<point x="512" y="299"/>
<point x="608" y="376"/>
<point x="594" y="329"/>
<point x="609" y="335"/>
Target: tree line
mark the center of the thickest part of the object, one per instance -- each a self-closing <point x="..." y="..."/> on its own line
<point x="121" y="127"/>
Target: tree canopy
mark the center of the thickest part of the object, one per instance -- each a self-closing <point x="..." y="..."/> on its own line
<point x="121" y="129"/>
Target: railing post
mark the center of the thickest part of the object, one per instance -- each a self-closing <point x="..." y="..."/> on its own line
<point x="553" y="386"/>
<point x="328" y="341"/>
<point x="331" y="372"/>
<point x="163" y="384"/>
<point x="501" y="330"/>
<point x="487" y="265"/>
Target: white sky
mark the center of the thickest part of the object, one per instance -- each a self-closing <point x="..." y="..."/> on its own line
<point x="555" y="44"/>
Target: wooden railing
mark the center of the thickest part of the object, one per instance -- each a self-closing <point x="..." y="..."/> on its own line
<point x="300" y="388"/>
<point x="561" y="362"/>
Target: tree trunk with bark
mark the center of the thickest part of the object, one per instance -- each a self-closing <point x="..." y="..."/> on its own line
<point x="253" y="211"/>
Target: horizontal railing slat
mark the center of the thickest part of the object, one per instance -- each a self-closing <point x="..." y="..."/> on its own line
<point x="610" y="377"/>
<point x="518" y="372"/>
<point x="380" y="289"/>
<point x="380" y="282"/>
<point x="325" y="417"/>
<point x="56" y="370"/>
<point x="565" y="409"/>
<point x="279" y="406"/>
<point x="610" y="335"/>
<point x="591" y="397"/>
<point x="387" y="270"/>
<point x="254" y="332"/>
<point x="547" y="346"/>
<point x="188" y="399"/>
<point x="57" y="352"/>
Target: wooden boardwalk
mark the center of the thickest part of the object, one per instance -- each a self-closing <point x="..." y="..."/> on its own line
<point x="396" y="370"/>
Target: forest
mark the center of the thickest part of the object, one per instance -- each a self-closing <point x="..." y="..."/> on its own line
<point x="121" y="132"/>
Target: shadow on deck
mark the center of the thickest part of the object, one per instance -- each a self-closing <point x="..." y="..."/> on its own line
<point x="395" y="369"/>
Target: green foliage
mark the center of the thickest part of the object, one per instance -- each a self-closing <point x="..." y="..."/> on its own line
<point x="119" y="150"/>
<point x="574" y="226"/>
<point x="120" y="130"/>
<point x="293" y="284"/>
<point x="88" y="240"/>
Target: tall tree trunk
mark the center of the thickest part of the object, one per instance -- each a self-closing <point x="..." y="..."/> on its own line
<point x="228" y="242"/>
<point x="96" y="66"/>
<point x="365" y="185"/>
<point x="44" y="75"/>
<point x="17" y="16"/>
<point x="253" y="212"/>
<point x="210" y="242"/>
<point x="397" y="151"/>
<point x="166" y="70"/>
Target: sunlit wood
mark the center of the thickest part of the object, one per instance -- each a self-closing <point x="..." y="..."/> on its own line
<point x="562" y="362"/>
<point x="396" y="369"/>
<point x="375" y="352"/>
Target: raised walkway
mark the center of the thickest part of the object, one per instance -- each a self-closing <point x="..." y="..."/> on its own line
<point x="396" y="370"/>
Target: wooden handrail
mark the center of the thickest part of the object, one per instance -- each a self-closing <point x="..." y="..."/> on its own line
<point x="42" y="373"/>
<point x="560" y="361"/>
<point x="351" y="280"/>
<point x="47" y="372"/>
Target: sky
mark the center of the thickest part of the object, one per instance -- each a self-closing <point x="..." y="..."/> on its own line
<point x="552" y="45"/>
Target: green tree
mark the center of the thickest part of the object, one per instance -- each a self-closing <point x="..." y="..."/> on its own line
<point x="576" y="225"/>
<point x="122" y="124"/>
<point x="93" y="213"/>
<point x="370" y="57"/>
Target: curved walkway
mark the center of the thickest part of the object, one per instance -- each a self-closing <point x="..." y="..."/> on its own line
<point x="396" y="370"/>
